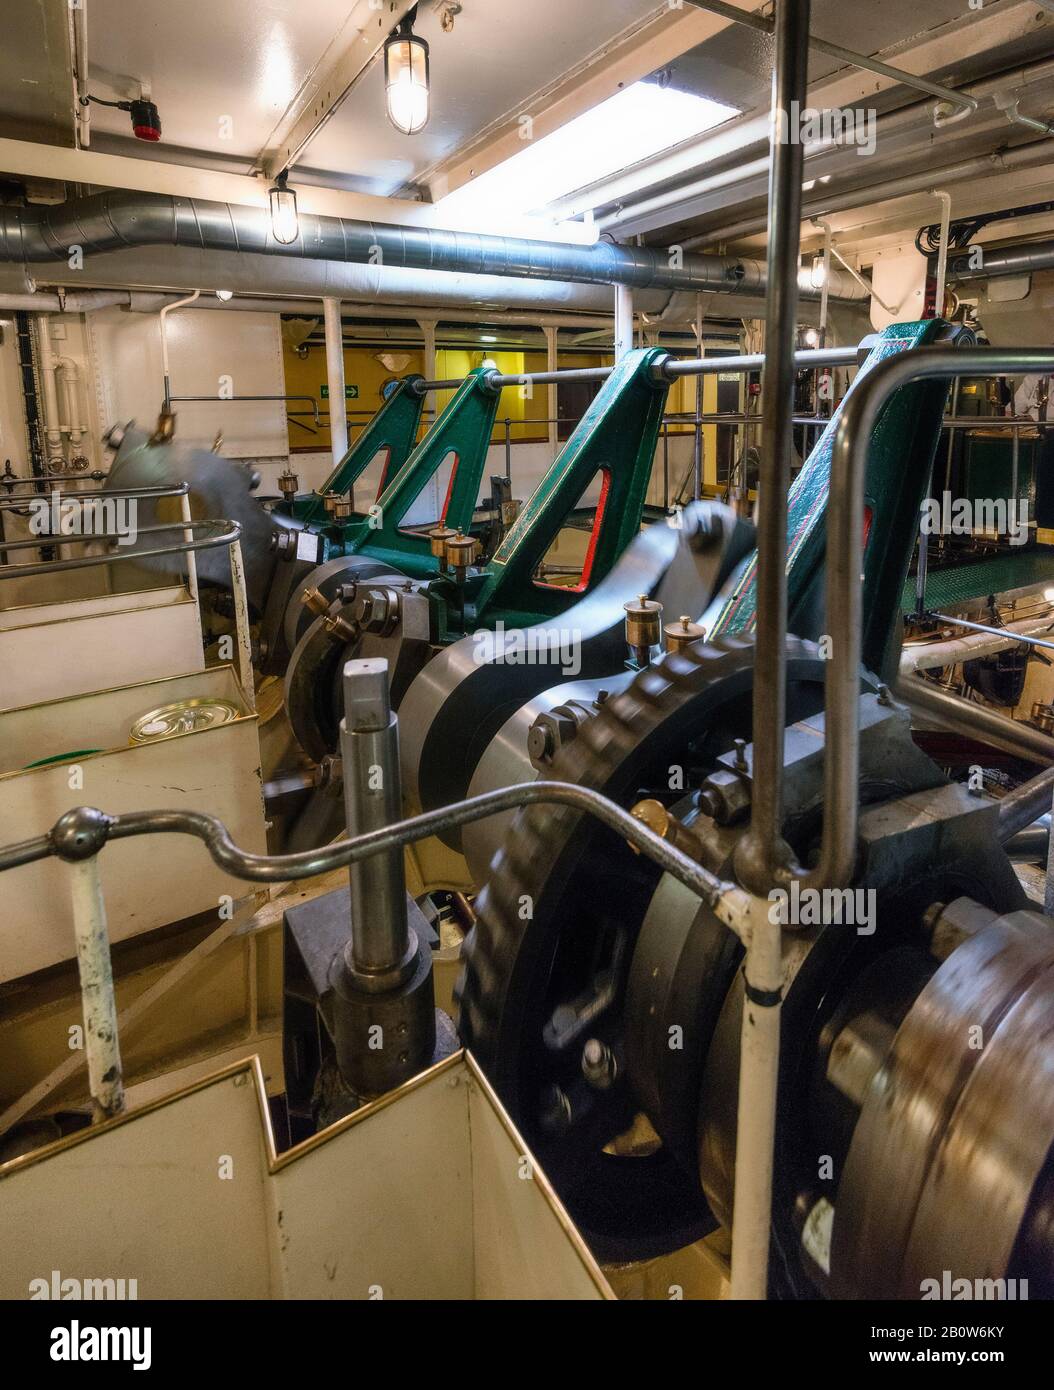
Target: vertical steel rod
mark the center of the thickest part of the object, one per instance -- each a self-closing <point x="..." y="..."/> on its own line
<point x="781" y="309"/>
<point x="763" y="983"/>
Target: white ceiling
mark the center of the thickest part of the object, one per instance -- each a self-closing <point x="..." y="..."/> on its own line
<point x="246" y="60"/>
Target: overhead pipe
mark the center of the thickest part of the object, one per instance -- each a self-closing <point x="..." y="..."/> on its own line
<point x="1021" y="259"/>
<point x="153" y="269"/>
<point x="824" y="204"/>
<point x="119" y="219"/>
<point x="733" y="139"/>
<point x="932" y="656"/>
<point x="82" y="302"/>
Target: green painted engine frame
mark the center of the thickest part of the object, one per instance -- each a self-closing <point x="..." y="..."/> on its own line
<point x="899" y="465"/>
<point x="617" y="437"/>
<point x="463" y="429"/>
<point x="392" y="430"/>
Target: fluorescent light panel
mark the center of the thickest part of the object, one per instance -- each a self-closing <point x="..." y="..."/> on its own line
<point x="633" y="125"/>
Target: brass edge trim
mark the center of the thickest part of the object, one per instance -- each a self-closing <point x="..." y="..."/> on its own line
<point x="89" y="598"/>
<point x="247" y="1064"/>
<point x="135" y="685"/>
<point x="183" y="600"/>
<point x="572" y="1232"/>
<point x="316" y="1141"/>
<point x="276" y="1162"/>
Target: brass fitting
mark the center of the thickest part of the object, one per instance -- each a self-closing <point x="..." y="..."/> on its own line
<point x="288" y="482"/>
<point x="682" y="633"/>
<point x="341" y="509"/>
<point x="665" y="824"/>
<point x="437" y="539"/>
<point x="338" y="628"/>
<point x="643" y="627"/>
<point x="329" y="501"/>
<point x="461" y="550"/>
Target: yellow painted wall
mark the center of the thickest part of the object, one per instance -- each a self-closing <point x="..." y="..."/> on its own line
<point x="306" y="377"/>
<point x="525" y="407"/>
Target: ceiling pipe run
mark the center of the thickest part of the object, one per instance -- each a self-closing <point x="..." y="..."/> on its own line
<point x="1004" y="260"/>
<point x="965" y="170"/>
<point x="119" y="219"/>
<point x="78" y="302"/>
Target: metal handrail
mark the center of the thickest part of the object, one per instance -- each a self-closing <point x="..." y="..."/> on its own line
<point x="667" y="369"/>
<point x="228" y="537"/>
<point x="6" y="503"/>
<point x="224" y="400"/>
<point x="83" y="832"/>
<point x="844" y="535"/>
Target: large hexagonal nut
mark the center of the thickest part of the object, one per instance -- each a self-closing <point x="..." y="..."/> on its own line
<point x="548" y="733"/>
<point x="725" y="796"/>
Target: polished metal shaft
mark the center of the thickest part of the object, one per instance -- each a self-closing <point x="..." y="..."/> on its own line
<point x="369" y="745"/>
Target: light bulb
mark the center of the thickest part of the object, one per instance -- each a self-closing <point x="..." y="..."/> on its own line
<point x="285" y="223"/>
<point x="406" y="78"/>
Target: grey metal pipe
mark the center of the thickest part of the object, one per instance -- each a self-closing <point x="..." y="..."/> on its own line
<point x="369" y="746"/>
<point x="826" y="202"/>
<point x="118" y="219"/>
<point x="760" y="846"/>
<point x="964" y="717"/>
<point x="668" y="369"/>
<point x="1021" y="259"/>
<point x="1024" y="809"/>
<point x="931" y="656"/>
<point x="71" y="302"/>
<point x="1024" y="637"/>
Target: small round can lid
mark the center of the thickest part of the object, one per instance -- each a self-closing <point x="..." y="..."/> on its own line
<point x="182" y="717"/>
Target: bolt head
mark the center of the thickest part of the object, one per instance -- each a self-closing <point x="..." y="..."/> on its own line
<point x="598" y="1064"/>
<point x="554" y="1113"/>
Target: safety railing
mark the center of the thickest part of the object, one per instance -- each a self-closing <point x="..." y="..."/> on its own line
<point x="218" y="534"/>
<point x="81" y="834"/>
<point x="46" y="491"/>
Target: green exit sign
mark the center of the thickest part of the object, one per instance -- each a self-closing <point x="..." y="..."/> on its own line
<point x="351" y="393"/>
